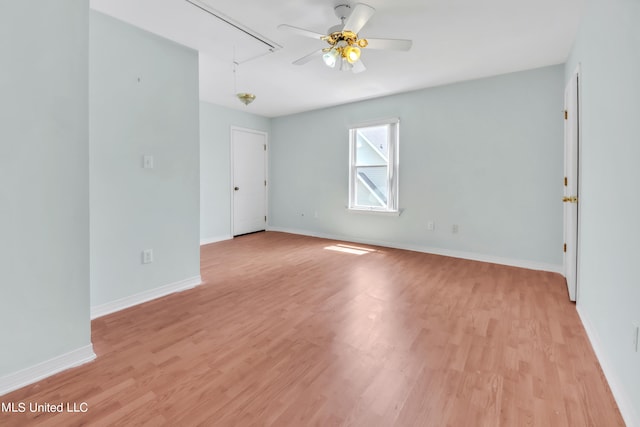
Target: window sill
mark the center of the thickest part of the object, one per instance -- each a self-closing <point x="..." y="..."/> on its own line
<point x="375" y="212"/>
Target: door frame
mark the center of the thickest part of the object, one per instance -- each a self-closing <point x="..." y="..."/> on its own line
<point x="577" y="76"/>
<point x="233" y="128"/>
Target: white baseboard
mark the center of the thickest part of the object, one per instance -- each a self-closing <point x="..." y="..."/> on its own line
<point x="214" y="240"/>
<point x="45" y="369"/>
<point x="139" y="298"/>
<point x="531" y="265"/>
<point x="627" y="410"/>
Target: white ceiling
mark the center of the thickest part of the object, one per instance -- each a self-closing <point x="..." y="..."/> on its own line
<point x="453" y="40"/>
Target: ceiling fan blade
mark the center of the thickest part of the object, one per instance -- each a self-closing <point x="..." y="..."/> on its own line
<point x="359" y="17"/>
<point x="389" y="44"/>
<point x="308" y="58"/>
<point x="300" y="31"/>
<point x="358" y="67"/>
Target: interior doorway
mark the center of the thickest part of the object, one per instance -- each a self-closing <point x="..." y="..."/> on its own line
<point x="571" y="182"/>
<point x="248" y="180"/>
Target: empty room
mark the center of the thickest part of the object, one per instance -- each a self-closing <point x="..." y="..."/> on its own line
<point x="319" y="213"/>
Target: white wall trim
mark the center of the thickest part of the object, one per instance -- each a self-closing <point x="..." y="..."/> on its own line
<point x="531" y="265"/>
<point x="578" y="72"/>
<point x="629" y="414"/>
<point x="139" y="298"/>
<point x="35" y="373"/>
<point x="210" y="240"/>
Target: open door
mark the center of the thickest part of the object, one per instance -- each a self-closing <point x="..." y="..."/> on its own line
<point x="571" y="173"/>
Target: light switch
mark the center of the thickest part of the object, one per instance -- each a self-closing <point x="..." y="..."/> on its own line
<point x="147" y="256"/>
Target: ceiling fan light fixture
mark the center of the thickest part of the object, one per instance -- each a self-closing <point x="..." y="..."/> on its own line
<point x="345" y="46"/>
<point x="330" y="58"/>
<point x="345" y="65"/>
<point x="351" y="53"/>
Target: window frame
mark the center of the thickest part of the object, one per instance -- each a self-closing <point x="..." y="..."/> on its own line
<point x="393" y="166"/>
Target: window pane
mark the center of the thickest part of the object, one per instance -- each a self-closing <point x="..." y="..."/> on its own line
<point x="372" y="186"/>
<point x="372" y="146"/>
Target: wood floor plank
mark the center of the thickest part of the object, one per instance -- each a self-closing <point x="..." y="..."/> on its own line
<point x="288" y="330"/>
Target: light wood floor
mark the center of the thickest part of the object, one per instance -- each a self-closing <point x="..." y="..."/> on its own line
<point x="287" y="332"/>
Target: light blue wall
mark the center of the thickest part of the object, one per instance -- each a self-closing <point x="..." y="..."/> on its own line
<point x="143" y="100"/>
<point x="607" y="49"/>
<point x="44" y="181"/>
<point x="485" y="154"/>
<point x="215" y="171"/>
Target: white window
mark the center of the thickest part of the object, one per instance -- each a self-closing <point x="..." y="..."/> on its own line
<point x="373" y="166"/>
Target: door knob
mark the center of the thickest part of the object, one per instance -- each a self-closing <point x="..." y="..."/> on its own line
<point x="572" y="199"/>
<point x="236" y="188"/>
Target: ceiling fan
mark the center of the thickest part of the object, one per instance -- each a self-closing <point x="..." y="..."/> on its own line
<point x="345" y="45"/>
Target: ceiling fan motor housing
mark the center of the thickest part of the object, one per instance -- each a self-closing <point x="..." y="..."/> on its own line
<point x="342" y="11"/>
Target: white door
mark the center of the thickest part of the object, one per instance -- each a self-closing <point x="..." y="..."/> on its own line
<point x="570" y="199"/>
<point x="249" y="185"/>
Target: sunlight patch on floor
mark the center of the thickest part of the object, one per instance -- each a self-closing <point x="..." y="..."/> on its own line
<point x="348" y="249"/>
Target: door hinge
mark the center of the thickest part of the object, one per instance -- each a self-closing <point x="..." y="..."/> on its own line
<point x="265" y="182"/>
<point x="265" y="147"/>
<point x="566" y="115"/>
<point x="565" y="181"/>
<point x="565" y="248"/>
<point x="265" y="218"/>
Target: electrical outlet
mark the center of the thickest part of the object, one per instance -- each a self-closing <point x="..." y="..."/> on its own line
<point x="431" y="226"/>
<point x="455" y="229"/>
<point x="147" y="256"/>
<point x="147" y="161"/>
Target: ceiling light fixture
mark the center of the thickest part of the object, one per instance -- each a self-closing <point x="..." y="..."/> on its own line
<point x="330" y="58"/>
<point x="351" y="53"/>
<point x="345" y="65"/>
<point x="245" y="97"/>
<point x="345" y="47"/>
